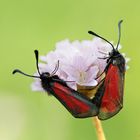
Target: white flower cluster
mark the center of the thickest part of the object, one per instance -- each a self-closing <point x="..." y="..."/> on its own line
<point x="79" y="61"/>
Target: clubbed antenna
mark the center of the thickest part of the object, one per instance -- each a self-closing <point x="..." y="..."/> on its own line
<point x="93" y="33"/>
<point x="119" y="27"/>
<point x="36" y="56"/>
<point x="19" y="71"/>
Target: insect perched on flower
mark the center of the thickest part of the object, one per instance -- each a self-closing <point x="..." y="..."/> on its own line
<point x="112" y="87"/>
<point x="83" y="66"/>
<point x="77" y="104"/>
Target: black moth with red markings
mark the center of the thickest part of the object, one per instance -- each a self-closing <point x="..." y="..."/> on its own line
<point x="112" y="87"/>
<point x="77" y="104"/>
<point x="108" y="99"/>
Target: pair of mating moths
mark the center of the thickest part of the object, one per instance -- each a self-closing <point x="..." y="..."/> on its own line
<point x="108" y="99"/>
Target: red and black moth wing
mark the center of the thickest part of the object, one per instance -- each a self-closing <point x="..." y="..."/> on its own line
<point x="112" y="89"/>
<point x="77" y="104"/>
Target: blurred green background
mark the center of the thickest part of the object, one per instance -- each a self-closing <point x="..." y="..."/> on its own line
<point x="30" y="24"/>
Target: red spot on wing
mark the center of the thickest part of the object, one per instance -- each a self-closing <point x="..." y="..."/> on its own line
<point x="72" y="101"/>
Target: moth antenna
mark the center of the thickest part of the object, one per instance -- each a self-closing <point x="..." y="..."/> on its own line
<point x="56" y="69"/>
<point x="36" y="56"/>
<point x="119" y="27"/>
<point x="93" y="33"/>
<point x="19" y="71"/>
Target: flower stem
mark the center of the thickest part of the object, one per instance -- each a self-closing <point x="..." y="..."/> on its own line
<point x="90" y="93"/>
<point x="99" y="129"/>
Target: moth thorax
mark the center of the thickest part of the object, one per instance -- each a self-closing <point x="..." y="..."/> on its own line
<point x="116" y="62"/>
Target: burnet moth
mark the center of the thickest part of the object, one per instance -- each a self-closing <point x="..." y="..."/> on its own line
<point x="77" y="104"/>
<point x="108" y="99"/>
<point x="112" y="87"/>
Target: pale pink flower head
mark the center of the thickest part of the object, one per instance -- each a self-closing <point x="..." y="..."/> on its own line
<point x="80" y="62"/>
